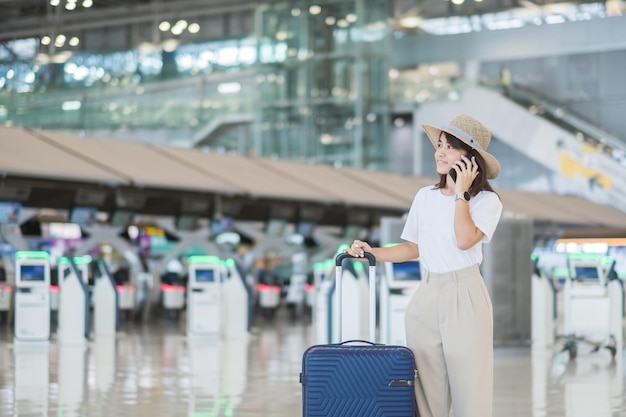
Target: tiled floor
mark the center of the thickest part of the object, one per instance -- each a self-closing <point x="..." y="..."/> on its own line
<point x="154" y="370"/>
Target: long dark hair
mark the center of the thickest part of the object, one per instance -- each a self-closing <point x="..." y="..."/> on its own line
<point x="480" y="182"/>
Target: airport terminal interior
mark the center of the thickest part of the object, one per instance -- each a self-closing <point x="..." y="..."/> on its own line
<point x="179" y="176"/>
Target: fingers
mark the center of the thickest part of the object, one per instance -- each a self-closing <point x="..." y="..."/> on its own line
<point x="467" y="171"/>
<point x="357" y="249"/>
<point x="466" y="164"/>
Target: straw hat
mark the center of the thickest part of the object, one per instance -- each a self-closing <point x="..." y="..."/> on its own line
<point x="471" y="132"/>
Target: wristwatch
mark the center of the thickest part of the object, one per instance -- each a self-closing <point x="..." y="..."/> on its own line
<point x="462" y="196"/>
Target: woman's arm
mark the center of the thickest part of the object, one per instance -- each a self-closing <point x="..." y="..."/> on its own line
<point x="402" y="252"/>
<point x="466" y="232"/>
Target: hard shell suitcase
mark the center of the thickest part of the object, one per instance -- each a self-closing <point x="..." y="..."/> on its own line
<point x="358" y="380"/>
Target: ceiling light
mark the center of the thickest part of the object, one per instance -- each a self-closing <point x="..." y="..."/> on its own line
<point x="615" y="7"/>
<point x="555" y="19"/>
<point x="194" y="28"/>
<point x="330" y="20"/>
<point x="170" y="45"/>
<point x="45" y="40"/>
<point x="295" y="12"/>
<point x="351" y="17"/>
<point x="315" y="9"/>
<point x="74" y="41"/>
<point x="42" y="58"/>
<point x="164" y="26"/>
<point x="326" y="139"/>
<point x="54" y="3"/>
<point x="70" y="6"/>
<point x="228" y="88"/>
<point x="182" y="24"/>
<point x="458" y="2"/>
<point x="61" y="58"/>
<point x="146" y="48"/>
<point x="87" y="3"/>
<point x="60" y="40"/>
<point x="411" y="21"/>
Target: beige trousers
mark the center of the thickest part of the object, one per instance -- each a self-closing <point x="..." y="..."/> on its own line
<point x="449" y="328"/>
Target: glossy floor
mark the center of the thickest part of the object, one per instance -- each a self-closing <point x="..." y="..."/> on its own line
<point x="154" y="370"/>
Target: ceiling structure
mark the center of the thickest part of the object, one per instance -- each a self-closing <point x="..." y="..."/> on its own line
<point x="36" y="18"/>
<point x="430" y="9"/>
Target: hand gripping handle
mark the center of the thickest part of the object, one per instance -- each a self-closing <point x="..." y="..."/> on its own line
<point x="339" y="259"/>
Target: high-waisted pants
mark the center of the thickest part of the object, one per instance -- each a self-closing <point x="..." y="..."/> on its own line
<point x="449" y="328"/>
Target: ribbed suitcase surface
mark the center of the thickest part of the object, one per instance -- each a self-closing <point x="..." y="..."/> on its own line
<point x="340" y="380"/>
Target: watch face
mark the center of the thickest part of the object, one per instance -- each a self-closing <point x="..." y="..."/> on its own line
<point x="466" y="196"/>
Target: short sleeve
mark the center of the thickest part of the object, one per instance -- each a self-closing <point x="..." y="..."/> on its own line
<point x="486" y="212"/>
<point x="410" y="231"/>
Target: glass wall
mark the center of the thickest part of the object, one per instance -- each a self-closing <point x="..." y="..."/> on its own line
<point x="322" y="82"/>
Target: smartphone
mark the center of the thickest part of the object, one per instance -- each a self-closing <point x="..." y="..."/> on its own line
<point x="452" y="174"/>
<point x="452" y="171"/>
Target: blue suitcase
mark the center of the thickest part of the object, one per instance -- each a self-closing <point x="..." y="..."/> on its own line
<point x="358" y="378"/>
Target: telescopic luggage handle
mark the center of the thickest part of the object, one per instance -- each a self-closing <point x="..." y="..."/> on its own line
<point x="372" y="292"/>
<point x="344" y="255"/>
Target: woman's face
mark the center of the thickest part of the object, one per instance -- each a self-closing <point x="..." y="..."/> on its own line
<point x="446" y="155"/>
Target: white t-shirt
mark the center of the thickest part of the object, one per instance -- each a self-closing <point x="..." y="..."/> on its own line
<point x="430" y="224"/>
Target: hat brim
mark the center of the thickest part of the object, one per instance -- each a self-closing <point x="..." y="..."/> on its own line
<point x="434" y="132"/>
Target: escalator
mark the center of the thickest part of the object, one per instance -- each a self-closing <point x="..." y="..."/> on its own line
<point x="546" y="135"/>
<point x="231" y="131"/>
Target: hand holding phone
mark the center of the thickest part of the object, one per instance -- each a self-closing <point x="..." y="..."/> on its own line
<point x="452" y="171"/>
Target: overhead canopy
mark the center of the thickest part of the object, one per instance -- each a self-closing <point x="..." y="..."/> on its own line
<point x="58" y="170"/>
<point x="23" y="153"/>
<point x="245" y="174"/>
<point x="142" y="165"/>
<point x="336" y="182"/>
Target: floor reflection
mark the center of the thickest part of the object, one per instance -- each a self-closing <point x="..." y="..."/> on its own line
<point x="71" y="379"/>
<point x="155" y="370"/>
<point x="31" y="383"/>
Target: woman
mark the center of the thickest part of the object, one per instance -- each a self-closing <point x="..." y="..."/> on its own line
<point x="449" y="320"/>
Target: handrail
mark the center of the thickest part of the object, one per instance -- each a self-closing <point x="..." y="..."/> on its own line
<point x="566" y="118"/>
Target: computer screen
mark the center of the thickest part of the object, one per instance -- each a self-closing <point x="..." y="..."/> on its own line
<point x="407" y="271"/>
<point x="63" y="231"/>
<point x="222" y="224"/>
<point x="275" y="227"/>
<point x="54" y="276"/>
<point x="122" y="218"/>
<point x="83" y="215"/>
<point x="10" y="211"/>
<point x="33" y="273"/>
<point x="586" y="273"/>
<point x="205" y="275"/>
<point x="187" y="222"/>
<point x="306" y="228"/>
